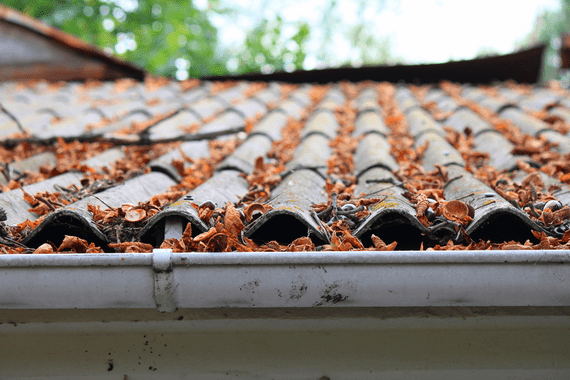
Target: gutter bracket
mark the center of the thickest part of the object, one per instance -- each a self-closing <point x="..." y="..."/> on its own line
<point x="164" y="288"/>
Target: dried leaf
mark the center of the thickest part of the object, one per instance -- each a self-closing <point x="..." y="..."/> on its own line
<point x="173" y="244"/>
<point x="44" y="248"/>
<point x="381" y="246"/>
<point x="132" y="247"/>
<point x="30" y="198"/>
<point x="301" y="244"/>
<point x="456" y="211"/>
<point x="422" y="204"/>
<point x="255" y="209"/>
<point x="232" y="220"/>
<point x="134" y="215"/>
<point x="217" y="243"/>
<point x="206" y="235"/>
<point x="74" y="244"/>
<point x="92" y="248"/>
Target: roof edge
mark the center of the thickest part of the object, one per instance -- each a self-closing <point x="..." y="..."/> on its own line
<point x="523" y="66"/>
<point x="79" y="46"/>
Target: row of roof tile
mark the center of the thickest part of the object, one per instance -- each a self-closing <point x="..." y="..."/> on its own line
<point x="338" y="162"/>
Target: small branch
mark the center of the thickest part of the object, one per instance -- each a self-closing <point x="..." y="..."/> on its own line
<point x="125" y="140"/>
<point x="20" y="127"/>
<point x="46" y="202"/>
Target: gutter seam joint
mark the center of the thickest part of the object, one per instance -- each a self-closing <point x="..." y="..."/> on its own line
<point x="164" y="290"/>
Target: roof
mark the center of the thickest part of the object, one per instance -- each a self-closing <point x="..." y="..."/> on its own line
<point x="523" y="66"/>
<point x="124" y="166"/>
<point x="223" y="166"/>
<point x="30" y="49"/>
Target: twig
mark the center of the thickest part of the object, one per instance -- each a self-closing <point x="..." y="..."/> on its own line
<point x="20" y="127"/>
<point x="46" y="202"/>
<point x="140" y="139"/>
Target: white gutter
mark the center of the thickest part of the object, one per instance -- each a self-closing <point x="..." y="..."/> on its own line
<point x="168" y="281"/>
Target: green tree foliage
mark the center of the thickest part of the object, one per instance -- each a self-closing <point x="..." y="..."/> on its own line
<point x="171" y="37"/>
<point x="547" y="28"/>
<point x="177" y="38"/>
<point x="269" y="48"/>
<point x="164" y="37"/>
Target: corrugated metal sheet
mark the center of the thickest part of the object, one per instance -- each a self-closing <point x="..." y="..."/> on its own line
<point x="201" y="143"/>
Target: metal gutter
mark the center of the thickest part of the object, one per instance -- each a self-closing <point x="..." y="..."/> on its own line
<point x="168" y="281"/>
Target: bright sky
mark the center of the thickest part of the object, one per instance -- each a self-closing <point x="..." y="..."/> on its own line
<point x="441" y="30"/>
<point x="420" y="31"/>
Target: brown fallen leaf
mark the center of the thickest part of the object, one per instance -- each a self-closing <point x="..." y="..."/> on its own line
<point x="132" y="247"/>
<point x="74" y="244"/>
<point x="255" y="209"/>
<point x="302" y="244"/>
<point x="422" y="204"/>
<point x="206" y="235"/>
<point x="381" y="246"/>
<point x="44" y="248"/>
<point x="134" y="215"/>
<point x="232" y="220"/>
